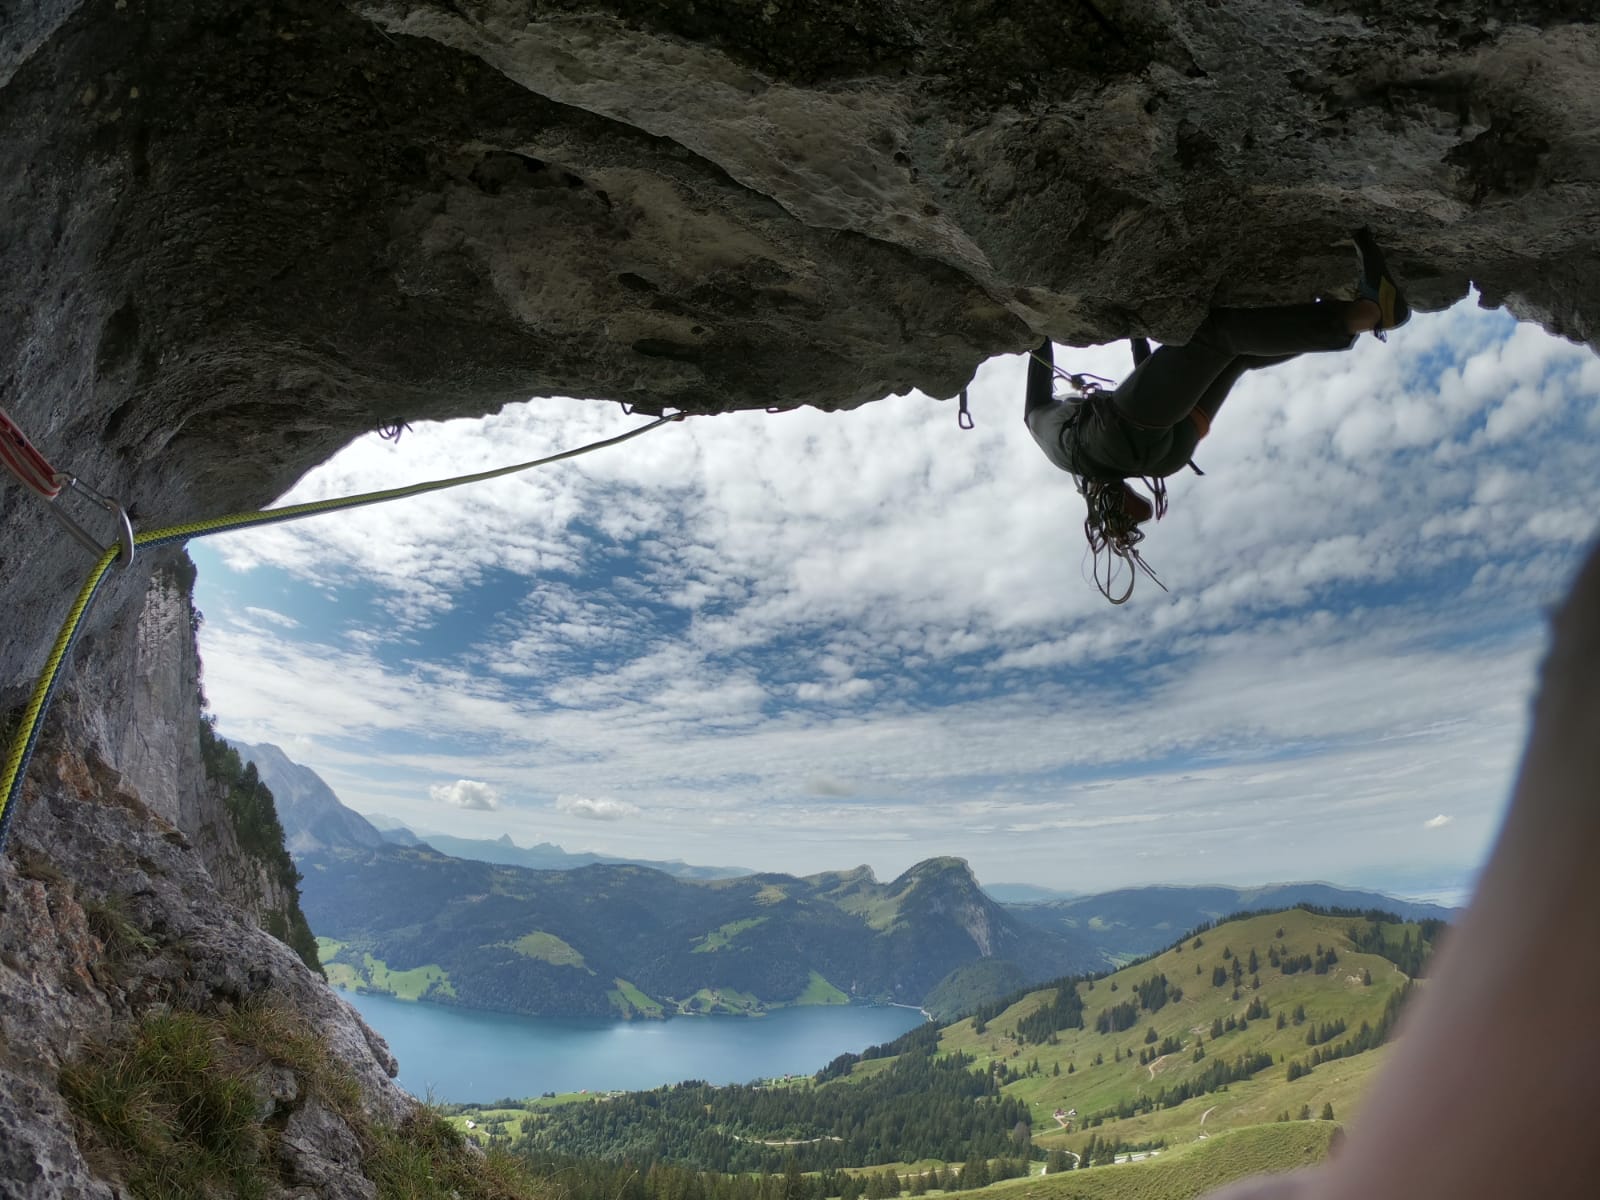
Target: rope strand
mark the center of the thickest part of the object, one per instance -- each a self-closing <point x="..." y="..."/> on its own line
<point x="27" y="736"/>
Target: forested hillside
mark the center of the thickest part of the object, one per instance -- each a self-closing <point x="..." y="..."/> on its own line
<point x="627" y="941"/>
<point x="1257" y="1021"/>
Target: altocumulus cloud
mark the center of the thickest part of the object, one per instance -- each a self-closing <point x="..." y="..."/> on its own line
<point x="596" y="808"/>
<point x="744" y="614"/>
<point x="466" y="793"/>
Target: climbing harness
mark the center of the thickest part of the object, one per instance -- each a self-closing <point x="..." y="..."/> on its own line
<point x="26" y="738"/>
<point x="1111" y="526"/>
<point x="35" y="473"/>
<point x="1114" y="533"/>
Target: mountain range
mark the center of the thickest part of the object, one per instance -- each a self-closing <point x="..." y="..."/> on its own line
<point x="625" y="940"/>
<point x="546" y="856"/>
<point x="479" y="923"/>
<point x="314" y="818"/>
<point x="1131" y="922"/>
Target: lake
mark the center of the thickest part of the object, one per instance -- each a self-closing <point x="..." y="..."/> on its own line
<point x="458" y="1055"/>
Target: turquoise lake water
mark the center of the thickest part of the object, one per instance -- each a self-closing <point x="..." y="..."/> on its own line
<point x="456" y="1055"/>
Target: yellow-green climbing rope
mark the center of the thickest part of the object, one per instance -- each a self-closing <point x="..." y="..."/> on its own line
<point x="27" y="734"/>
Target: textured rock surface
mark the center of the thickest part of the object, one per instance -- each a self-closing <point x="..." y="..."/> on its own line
<point x="237" y="235"/>
<point x="147" y="858"/>
<point x="82" y="841"/>
<point x="270" y="227"/>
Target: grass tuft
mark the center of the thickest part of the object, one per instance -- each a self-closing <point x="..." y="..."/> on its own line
<point x="176" y="1111"/>
<point x="172" y="1110"/>
<point x="110" y="921"/>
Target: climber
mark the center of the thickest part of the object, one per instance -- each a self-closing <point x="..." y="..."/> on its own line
<point x="1148" y="426"/>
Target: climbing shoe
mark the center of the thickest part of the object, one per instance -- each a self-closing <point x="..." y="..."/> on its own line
<point x="1377" y="285"/>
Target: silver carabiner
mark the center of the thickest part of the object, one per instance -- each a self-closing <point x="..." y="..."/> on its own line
<point x="124" y="527"/>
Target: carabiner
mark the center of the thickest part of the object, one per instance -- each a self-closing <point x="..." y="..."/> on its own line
<point x="964" y="415"/>
<point x="124" y="527"/>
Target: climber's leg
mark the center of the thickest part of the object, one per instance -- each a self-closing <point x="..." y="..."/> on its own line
<point x="1166" y="386"/>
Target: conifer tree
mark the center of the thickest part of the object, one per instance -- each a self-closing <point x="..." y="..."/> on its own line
<point x="1327" y="1111"/>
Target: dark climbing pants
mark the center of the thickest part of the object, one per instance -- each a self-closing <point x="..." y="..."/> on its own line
<point x="1144" y="428"/>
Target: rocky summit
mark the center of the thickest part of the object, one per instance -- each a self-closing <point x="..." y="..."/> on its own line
<point x="237" y="235"/>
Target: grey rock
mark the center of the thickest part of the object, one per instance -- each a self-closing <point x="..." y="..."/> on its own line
<point x="278" y="1089"/>
<point x="226" y="255"/>
<point x="112" y="907"/>
<point x="38" y="1155"/>
<point x="318" y="1149"/>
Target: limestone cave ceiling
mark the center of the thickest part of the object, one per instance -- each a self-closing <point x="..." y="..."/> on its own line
<point x="237" y="235"/>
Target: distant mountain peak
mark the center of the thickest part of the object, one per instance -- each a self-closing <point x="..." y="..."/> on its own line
<point x="944" y="869"/>
<point x="311" y="815"/>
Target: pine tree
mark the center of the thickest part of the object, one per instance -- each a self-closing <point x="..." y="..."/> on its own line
<point x="1305" y="1112"/>
<point x="1327" y="1111"/>
<point x="975" y="1174"/>
<point x="794" y="1182"/>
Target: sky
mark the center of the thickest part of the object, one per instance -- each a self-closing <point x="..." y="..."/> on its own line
<point x="805" y="641"/>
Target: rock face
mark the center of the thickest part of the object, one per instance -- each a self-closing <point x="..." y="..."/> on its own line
<point x="237" y="235"/>
<point x="124" y="890"/>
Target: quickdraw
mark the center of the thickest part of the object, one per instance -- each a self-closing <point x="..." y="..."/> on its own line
<point x="35" y="473"/>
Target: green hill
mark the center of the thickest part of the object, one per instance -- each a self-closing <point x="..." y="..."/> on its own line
<point x="1187" y="1171"/>
<point x="1271" y="1024"/>
<point x="1148" y="1062"/>
<point x="625" y="940"/>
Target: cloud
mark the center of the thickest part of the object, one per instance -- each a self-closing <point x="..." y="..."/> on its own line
<point x="596" y="808"/>
<point x="466" y="793"/>
<point x="277" y="618"/>
<point x="723" y="620"/>
<point x="1438" y="822"/>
